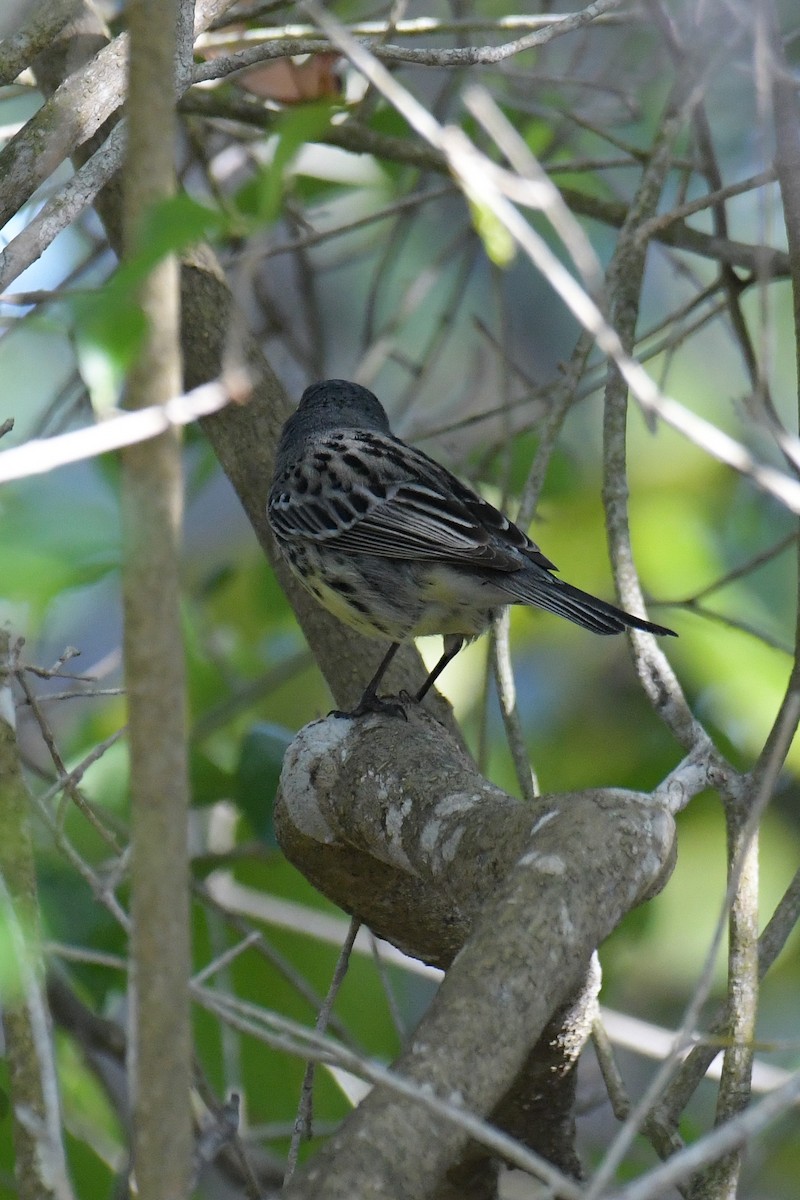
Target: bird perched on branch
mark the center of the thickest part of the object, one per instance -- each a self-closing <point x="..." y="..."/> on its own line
<point x="397" y="547"/>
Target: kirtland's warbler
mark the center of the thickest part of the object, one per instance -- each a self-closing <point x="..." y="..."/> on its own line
<point x="395" y="546"/>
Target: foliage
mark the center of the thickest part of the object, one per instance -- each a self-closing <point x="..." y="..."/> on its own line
<point x="352" y="252"/>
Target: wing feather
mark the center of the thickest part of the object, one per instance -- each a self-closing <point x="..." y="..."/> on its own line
<point x="369" y="493"/>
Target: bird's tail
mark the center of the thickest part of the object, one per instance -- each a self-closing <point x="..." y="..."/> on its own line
<point x="552" y="594"/>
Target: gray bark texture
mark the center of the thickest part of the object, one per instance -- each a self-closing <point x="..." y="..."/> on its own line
<point x="392" y="821"/>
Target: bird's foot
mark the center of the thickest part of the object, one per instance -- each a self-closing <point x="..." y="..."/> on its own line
<point x="371" y="703"/>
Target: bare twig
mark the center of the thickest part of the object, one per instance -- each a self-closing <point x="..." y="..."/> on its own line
<point x="725" y="1139"/>
<point x="45" y="454"/>
<point x="735" y="1084"/>
<point x="612" y="1076"/>
<point x="625" y="276"/>
<point x="402" y="27"/>
<point x="67" y="780"/>
<point x="507" y="694"/>
<point x="302" y="1122"/>
<point x="297" y="42"/>
<point x="72" y="199"/>
<point x="756" y="799"/>
<point x="299" y="1041"/>
<point x="40" y="1162"/>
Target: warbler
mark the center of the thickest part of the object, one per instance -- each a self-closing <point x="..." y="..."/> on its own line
<point x="395" y="546"/>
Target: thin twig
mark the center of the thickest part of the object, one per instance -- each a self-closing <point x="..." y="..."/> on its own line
<point x="382" y="970"/>
<point x="507" y="695"/>
<point x="67" y="781"/>
<point x="612" y="1076"/>
<point x="127" y="429"/>
<point x="460" y="56"/>
<point x="40" y="1161"/>
<point x="725" y="1139"/>
<point x="676" y="1096"/>
<point x="302" y="1122"/>
<point x="299" y="1041"/>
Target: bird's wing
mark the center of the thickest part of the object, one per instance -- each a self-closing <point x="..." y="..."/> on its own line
<point x="369" y="493"/>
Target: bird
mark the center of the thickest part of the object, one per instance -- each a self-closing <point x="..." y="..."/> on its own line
<point x="395" y="546"/>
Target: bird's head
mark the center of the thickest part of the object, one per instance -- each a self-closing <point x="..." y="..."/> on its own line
<point x="338" y="404"/>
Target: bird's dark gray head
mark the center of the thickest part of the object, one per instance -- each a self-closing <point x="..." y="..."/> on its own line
<point x="338" y="404"/>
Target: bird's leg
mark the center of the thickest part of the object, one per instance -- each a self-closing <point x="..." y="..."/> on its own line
<point x="452" y="644"/>
<point x="371" y="690"/>
<point x="371" y="702"/>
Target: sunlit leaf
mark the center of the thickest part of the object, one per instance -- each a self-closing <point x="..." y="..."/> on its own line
<point x="497" y="241"/>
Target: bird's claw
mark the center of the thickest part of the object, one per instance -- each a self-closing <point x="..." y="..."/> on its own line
<point x="370" y="703"/>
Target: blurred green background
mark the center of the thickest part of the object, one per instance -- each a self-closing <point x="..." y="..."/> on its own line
<point x="413" y="304"/>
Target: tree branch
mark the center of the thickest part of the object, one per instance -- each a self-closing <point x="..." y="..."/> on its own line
<point x="394" y="824"/>
<point x="160" y="1065"/>
<point x="298" y="41"/>
<point x="18" y="50"/>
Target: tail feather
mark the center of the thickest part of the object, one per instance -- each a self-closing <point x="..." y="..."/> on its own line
<point x="582" y="608"/>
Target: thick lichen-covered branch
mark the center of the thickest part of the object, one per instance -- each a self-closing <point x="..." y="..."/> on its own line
<point x="392" y="821"/>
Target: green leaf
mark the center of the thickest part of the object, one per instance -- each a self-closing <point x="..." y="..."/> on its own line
<point x="109" y="333"/>
<point x="497" y="241"/>
<point x="172" y="226"/>
<point x="41" y="557"/>
<point x="263" y="197"/>
<point x="257" y="775"/>
<point x="538" y="134"/>
<point x="109" y="325"/>
<point x="209" y="783"/>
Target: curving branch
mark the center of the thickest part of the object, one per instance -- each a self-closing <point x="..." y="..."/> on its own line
<point x="297" y="40"/>
<point x="393" y="822"/>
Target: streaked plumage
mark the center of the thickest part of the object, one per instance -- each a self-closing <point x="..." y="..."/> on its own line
<point x="396" y="546"/>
